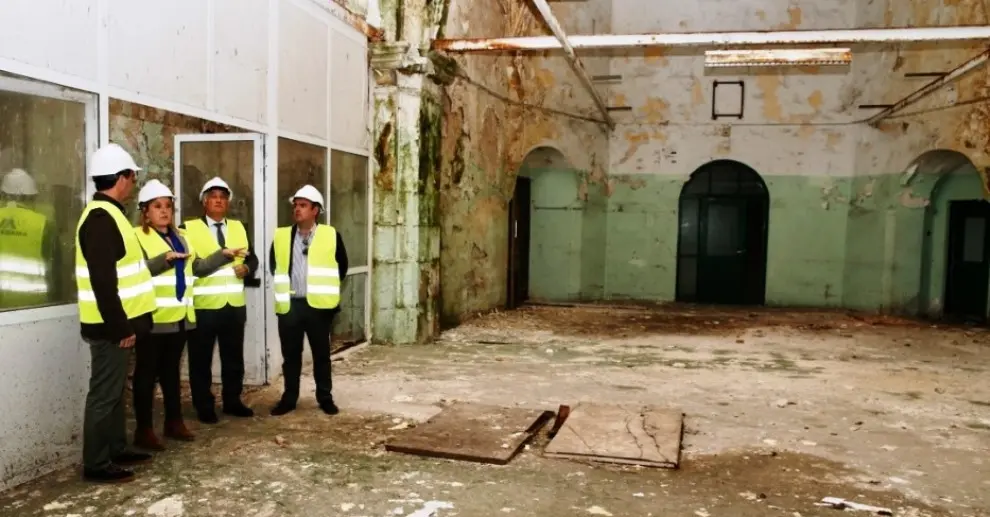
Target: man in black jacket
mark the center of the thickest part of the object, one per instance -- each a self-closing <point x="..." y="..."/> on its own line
<point x="107" y="278"/>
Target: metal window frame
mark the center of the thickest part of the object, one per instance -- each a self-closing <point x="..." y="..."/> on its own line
<point x="258" y="308"/>
<point x="90" y="100"/>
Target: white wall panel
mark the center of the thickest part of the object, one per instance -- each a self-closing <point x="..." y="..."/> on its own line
<point x="46" y="375"/>
<point x="240" y="58"/>
<point x="303" y="64"/>
<point x="206" y="58"/>
<point x="60" y="35"/>
<point x="348" y="84"/>
<point x="159" y="49"/>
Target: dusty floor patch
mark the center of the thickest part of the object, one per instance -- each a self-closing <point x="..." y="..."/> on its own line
<point x="779" y="415"/>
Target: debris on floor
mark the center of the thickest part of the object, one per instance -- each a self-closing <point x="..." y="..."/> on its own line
<point x="562" y="413"/>
<point x="627" y="434"/>
<point x="472" y="432"/>
<point x="838" y="503"/>
<point x="430" y="508"/>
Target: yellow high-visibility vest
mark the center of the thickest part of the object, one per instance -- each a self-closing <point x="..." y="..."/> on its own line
<point x="23" y="271"/>
<point x="134" y="285"/>
<point x="170" y="308"/>
<point x="222" y="287"/>
<point x="322" y="274"/>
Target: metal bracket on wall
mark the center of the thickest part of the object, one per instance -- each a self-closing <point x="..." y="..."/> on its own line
<point x="926" y="74"/>
<point x="606" y="79"/>
<point x="738" y="113"/>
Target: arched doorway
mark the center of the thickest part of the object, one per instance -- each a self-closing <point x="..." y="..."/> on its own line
<point x="955" y="264"/>
<point x="722" y="235"/>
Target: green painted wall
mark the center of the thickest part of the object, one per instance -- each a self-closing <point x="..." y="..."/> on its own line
<point x="594" y="232"/>
<point x="556" y="238"/>
<point x="856" y="242"/>
<point x="641" y="230"/>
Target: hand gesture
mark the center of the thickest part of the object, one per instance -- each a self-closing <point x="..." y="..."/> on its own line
<point x="174" y="255"/>
<point x="128" y="341"/>
<point x="240" y="270"/>
<point x="234" y="253"/>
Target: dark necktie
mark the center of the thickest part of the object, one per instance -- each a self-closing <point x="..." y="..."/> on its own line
<point x="220" y="238"/>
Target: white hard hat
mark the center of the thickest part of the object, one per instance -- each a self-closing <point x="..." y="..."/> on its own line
<point x="153" y="189"/>
<point x="109" y="160"/>
<point x="18" y="183"/>
<point x="216" y="182"/>
<point x="308" y="192"/>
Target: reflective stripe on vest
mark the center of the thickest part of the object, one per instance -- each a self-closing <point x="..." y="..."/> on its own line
<point x="170" y="308"/>
<point x="222" y="287"/>
<point x="322" y="273"/>
<point x="23" y="272"/>
<point x="134" y="284"/>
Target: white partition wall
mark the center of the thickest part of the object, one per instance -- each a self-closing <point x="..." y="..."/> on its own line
<point x="289" y="70"/>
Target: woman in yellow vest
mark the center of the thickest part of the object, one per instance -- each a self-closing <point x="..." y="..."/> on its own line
<point x="174" y="265"/>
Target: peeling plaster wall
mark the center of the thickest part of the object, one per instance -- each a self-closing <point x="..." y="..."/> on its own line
<point x="895" y="256"/>
<point x="793" y="132"/>
<point x="845" y="227"/>
<point x="492" y="120"/>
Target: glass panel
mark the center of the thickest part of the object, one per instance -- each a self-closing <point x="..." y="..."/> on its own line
<point x="974" y="234"/>
<point x="688" y="227"/>
<point x="232" y="161"/>
<point x="687" y="278"/>
<point x="698" y="184"/>
<point x="42" y="191"/>
<point x="725" y="181"/>
<point x="298" y="164"/>
<point x="348" y="326"/>
<point x="722" y="227"/>
<point x="349" y="203"/>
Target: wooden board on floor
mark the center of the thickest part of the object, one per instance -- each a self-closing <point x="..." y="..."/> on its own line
<point x="633" y="435"/>
<point x="472" y="432"/>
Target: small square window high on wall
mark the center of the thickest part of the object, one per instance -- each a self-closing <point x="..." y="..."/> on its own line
<point x="45" y="131"/>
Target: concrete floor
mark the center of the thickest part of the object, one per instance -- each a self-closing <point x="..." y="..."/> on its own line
<point x="783" y="408"/>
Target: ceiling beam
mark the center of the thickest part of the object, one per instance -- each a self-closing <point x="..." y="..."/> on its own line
<point x="715" y="39"/>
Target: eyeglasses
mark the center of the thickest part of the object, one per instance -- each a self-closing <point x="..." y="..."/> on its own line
<point x="305" y="245"/>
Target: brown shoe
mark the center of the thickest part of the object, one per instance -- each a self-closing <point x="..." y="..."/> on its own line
<point x="146" y="439"/>
<point x="177" y="430"/>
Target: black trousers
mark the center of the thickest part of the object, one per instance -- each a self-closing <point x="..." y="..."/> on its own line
<point x="226" y="326"/>
<point x="314" y="324"/>
<point x="158" y="359"/>
<point x="105" y="422"/>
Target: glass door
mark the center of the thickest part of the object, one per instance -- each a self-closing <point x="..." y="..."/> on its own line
<point x="238" y="159"/>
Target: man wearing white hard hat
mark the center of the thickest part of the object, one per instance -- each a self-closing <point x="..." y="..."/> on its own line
<point x="220" y="306"/>
<point x="27" y="244"/>
<point x="174" y="264"/>
<point x="116" y="299"/>
<point x="308" y="261"/>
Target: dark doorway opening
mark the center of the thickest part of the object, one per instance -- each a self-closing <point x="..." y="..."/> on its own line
<point x="968" y="265"/>
<point x="519" y="232"/>
<point x="722" y="237"/>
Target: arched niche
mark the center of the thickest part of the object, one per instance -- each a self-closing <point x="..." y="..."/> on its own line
<point x="546" y="219"/>
<point x="955" y="264"/>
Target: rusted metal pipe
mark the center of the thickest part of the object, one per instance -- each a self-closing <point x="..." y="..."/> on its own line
<point x="576" y="65"/>
<point x="931" y="87"/>
<point x="339" y="9"/>
<point x="718" y="39"/>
